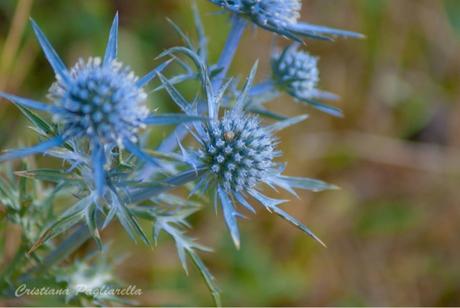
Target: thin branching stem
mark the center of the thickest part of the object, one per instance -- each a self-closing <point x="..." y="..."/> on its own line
<point x="169" y="144"/>
<point x="229" y="51"/>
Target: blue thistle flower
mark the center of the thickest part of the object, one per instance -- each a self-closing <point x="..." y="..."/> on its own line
<point x="296" y="72"/>
<point x="236" y="155"/>
<point x="100" y="101"/>
<point x="282" y="17"/>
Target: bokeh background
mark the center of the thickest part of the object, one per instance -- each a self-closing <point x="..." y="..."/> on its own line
<point x="393" y="230"/>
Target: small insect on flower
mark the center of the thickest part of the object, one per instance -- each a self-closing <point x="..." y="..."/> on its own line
<point x="282" y="17"/>
<point x="228" y="136"/>
<point x="240" y="153"/>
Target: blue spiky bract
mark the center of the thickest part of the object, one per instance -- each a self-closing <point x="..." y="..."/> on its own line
<point x="296" y="72"/>
<point x="238" y="151"/>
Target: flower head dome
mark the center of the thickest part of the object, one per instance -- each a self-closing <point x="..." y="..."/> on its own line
<point x="102" y="102"/>
<point x="296" y="72"/>
<point x="240" y="152"/>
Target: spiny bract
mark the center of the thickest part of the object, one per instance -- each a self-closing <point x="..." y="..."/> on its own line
<point x="240" y="152"/>
<point x="101" y="101"/>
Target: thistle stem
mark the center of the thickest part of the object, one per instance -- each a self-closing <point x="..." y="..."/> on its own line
<point x="262" y="88"/>
<point x="229" y="51"/>
<point x="225" y="60"/>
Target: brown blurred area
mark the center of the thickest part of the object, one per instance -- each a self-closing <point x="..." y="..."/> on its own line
<point x="393" y="230"/>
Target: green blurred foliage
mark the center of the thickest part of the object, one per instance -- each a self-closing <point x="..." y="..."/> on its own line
<point x="392" y="231"/>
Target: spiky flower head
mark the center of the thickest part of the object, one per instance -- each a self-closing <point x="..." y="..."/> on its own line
<point x="239" y="151"/>
<point x="102" y="102"/>
<point x="237" y="154"/>
<point x="296" y="72"/>
<point x="282" y="17"/>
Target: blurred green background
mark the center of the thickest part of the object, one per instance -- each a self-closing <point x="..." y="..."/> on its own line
<point x="393" y="231"/>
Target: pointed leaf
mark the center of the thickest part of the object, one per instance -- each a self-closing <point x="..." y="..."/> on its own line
<point x="98" y="161"/>
<point x="175" y="95"/>
<point x="39" y="148"/>
<point x="286" y="123"/>
<point x="29" y="103"/>
<point x="334" y="111"/>
<point x="272" y="206"/>
<point x="171" y="119"/>
<point x="43" y="126"/>
<point x="230" y="216"/>
<point x="244" y="202"/>
<point x="152" y="74"/>
<point x="181" y="33"/>
<point x="51" y="175"/>
<point x="136" y="151"/>
<point x="112" y="45"/>
<point x="91" y="222"/>
<point x="241" y="100"/>
<point x="269" y="203"/>
<point x="56" y="63"/>
<point x="306" y="183"/>
<point x="306" y="28"/>
<point x="207" y="276"/>
<point x="199" y="28"/>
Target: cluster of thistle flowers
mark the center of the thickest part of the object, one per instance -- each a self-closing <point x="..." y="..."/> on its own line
<point x="100" y="111"/>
